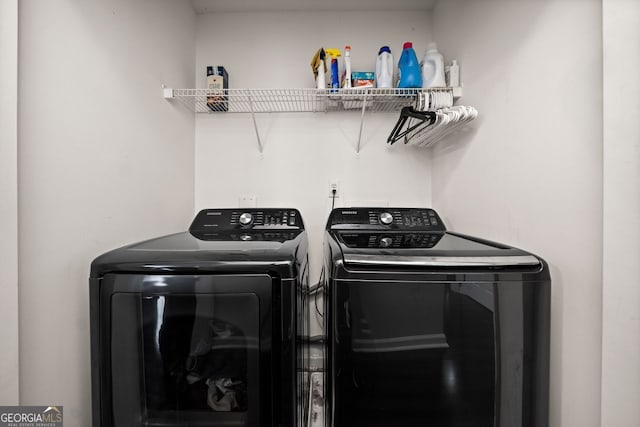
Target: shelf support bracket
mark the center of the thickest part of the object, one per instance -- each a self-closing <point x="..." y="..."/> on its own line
<point x="255" y="124"/>
<point x="364" y="108"/>
<point x="167" y="92"/>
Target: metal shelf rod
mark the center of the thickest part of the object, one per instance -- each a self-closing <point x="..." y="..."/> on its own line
<point x="364" y="109"/>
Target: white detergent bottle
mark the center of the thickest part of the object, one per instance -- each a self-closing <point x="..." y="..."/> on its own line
<point x="433" y="68"/>
<point x="384" y="68"/>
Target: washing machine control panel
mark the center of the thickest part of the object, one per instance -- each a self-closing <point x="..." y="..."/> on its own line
<point x="386" y="218"/>
<point x="393" y="240"/>
<point x="219" y="220"/>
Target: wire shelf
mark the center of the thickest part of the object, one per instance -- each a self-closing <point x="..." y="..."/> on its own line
<point x="297" y="100"/>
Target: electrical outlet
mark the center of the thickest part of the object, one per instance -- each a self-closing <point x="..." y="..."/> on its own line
<point x="247" y="202"/>
<point x="334" y="185"/>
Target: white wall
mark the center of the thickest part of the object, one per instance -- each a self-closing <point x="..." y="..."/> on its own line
<point x="303" y="151"/>
<point x="9" y="202"/>
<point x="531" y="172"/>
<point x="621" y="293"/>
<point x="104" y="160"/>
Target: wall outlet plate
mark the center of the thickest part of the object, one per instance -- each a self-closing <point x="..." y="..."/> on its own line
<point x="247" y="202"/>
<point x="334" y="184"/>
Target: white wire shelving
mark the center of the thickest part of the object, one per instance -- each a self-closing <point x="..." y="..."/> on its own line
<point x="258" y="101"/>
<point x="295" y="100"/>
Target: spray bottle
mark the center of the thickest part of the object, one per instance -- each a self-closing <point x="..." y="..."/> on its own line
<point x="335" y="76"/>
<point x="346" y="73"/>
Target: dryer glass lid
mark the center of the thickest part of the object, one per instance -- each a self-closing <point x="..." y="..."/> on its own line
<point x="224" y="241"/>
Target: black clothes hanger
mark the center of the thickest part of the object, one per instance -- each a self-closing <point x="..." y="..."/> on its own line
<point x="405" y="114"/>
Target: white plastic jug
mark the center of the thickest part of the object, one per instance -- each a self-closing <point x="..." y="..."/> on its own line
<point x="433" y="68"/>
<point x="384" y="68"/>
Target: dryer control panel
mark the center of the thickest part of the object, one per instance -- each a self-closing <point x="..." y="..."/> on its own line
<point x="410" y="219"/>
<point x="218" y="220"/>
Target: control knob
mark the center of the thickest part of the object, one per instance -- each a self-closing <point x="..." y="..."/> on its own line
<point x="246" y="218"/>
<point x="386" y="218"/>
<point x="385" y="242"/>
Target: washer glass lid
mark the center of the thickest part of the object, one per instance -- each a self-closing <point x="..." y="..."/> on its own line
<point x="427" y="249"/>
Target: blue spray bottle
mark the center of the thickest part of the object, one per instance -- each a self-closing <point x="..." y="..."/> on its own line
<point x="335" y="76"/>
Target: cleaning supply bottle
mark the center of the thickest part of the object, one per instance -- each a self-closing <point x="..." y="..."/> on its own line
<point x="384" y="68"/>
<point x="409" y="75"/>
<point x="321" y="80"/>
<point x="217" y="83"/>
<point x="319" y="68"/>
<point x="346" y="74"/>
<point x="433" y="68"/>
<point x="454" y="74"/>
<point x="335" y="76"/>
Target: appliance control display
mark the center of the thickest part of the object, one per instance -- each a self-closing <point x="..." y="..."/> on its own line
<point x="215" y="220"/>
<point x="386" y="218"/>
<point x="266" y="218"/>
<point x="390" y="240"/>
<point x="248" y="236"/>
<point x="406" y="218"/>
